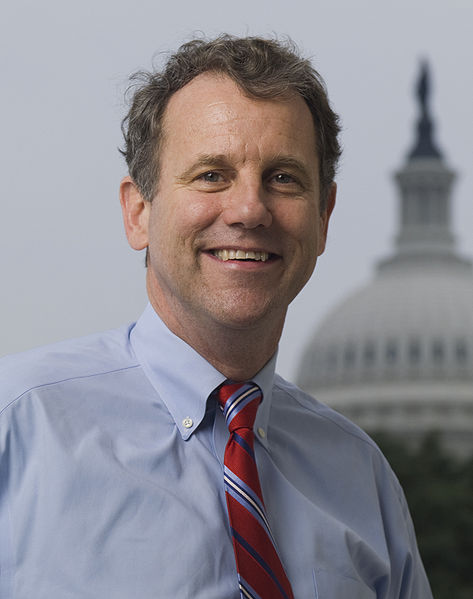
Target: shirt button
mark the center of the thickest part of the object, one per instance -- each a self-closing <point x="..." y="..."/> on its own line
<point x="188" y="422"/>
<point x="261" y="432"/>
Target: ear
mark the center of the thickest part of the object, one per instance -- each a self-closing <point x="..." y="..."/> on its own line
<point x="135" y="210"/>
<point x="325" y="217"/>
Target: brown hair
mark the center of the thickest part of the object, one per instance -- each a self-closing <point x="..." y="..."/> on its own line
<point x="262" y="68"/>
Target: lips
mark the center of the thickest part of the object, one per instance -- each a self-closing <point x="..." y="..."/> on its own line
<point x="257" y="256"/>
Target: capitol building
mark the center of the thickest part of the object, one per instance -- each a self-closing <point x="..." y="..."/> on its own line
<point x="396" y="356"/>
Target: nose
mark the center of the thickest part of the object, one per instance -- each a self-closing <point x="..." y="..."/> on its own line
<point x="247" y="206"/>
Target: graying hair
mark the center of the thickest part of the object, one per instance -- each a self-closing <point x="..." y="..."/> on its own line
<point x="262" y="68"/>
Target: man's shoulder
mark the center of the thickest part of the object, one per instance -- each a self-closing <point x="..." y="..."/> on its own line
<point x="63" y="361"/>
<point x="321" y="415"/>
<point x="317" y="429"/>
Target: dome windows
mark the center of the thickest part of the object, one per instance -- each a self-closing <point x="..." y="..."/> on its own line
<point x="414" y="352"/>
<point x="391" y="352"/>
<point x="349" y="356"/>
<point x="412" y="358"/>
<point x="461" y="352"/>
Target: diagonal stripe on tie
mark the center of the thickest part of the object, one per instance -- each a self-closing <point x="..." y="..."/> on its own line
<point x="248" y="499"/>
<point x="260" y="571"/>
<point x="260" y="560"/>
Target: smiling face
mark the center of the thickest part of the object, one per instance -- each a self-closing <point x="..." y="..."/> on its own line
<point x="234" y="230"/>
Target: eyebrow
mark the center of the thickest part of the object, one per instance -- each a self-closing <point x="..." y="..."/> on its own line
<point x="205" y="161"/>
<point x="288" y="162"/>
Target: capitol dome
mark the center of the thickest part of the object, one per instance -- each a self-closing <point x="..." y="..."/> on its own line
<point x="397" y="355"/>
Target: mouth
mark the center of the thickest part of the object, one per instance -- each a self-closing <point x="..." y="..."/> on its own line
<point x="255" y="256"/>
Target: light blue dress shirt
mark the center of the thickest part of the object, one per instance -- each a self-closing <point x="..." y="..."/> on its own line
<point x="111" y="483"/>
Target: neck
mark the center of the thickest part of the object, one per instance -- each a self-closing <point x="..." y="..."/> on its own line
<point x="239" y="353"/>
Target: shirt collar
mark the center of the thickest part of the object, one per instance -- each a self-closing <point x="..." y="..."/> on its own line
<point x="183" y="378"/>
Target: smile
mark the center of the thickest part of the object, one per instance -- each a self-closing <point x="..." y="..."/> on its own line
<point x="240" y="255"/>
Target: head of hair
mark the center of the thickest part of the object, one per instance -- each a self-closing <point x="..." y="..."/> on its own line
<point x="262" y="68"/>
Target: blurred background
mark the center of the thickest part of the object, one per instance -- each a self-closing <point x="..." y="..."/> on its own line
<point x="66" y="269"/>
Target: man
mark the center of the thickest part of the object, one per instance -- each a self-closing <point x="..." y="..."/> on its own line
<point x="119" y="476"/>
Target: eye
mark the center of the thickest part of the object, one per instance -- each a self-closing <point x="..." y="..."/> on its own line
<point x="284" y="182"/>
<point x="211" y="177"/>
<point x="283" y="178"/>
<point x="211" y="181"/>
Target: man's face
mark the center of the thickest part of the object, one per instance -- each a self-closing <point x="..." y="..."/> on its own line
<point x="234" y="230"/>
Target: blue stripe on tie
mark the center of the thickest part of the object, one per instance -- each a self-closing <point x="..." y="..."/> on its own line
<point x="235" y="396"/>
<point x="245" y="495"/>
<point x="244" y="490"/>
<point x="244" y="444"/>
<point x="236" y="402"/>
<point x="234" y="405"/>
<point x="246" y="590"/>
<point x="256" y="556"/>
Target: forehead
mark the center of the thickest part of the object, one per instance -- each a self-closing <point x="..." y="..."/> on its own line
<point x="213" y="104"/>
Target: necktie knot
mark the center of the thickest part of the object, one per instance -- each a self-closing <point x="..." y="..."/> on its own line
<point x="239" y="402"/>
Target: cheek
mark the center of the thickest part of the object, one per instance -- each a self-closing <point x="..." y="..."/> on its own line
<point x="201" y="212"/>
<point x="302" y="225"/>
<point x="189" y="209"/>
<point x="181" y="220"/>
<point x="193" y="218"/>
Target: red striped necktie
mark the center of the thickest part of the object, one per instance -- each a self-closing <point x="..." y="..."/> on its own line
<point x="260" y="572"/>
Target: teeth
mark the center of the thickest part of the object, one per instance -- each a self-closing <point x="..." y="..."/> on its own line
<point x="241" y="255"/>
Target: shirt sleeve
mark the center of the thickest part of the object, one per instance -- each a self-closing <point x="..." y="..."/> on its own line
<point x="6" y="565"/>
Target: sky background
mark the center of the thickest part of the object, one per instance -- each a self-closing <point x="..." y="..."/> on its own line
<point x="66" y="269"/>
